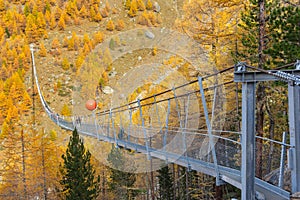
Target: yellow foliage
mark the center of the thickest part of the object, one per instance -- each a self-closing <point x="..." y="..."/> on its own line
<point x="43" y="50"/>
<point x="149" y="5"/>
<point x="107" y="59"/>
<point x="173" y="61"/>
<point x="133" y="9"/>
<point x="65" y="42"/>
<point x="120" y="25"/>
<point x="98" y="37"/>
<point x="97" y="17"/>
<point x="65" y="64"/>
<point x="127" y="4"/>
<point x="86" y="38"/>
<point x="61" y="23"/>
<point x="141" y="5"/>
<point x="55" y="44"/>
<point x="83" y="12"/>
<point x="53" y="23"/>
<point x="154" y="51"/>
<point x="65" y="111"/>
<point x="110" y="25"/>
<point x="143" y="19"/>
<point x="105" y="77"/>
<point x="53" y="135"/>
<point x="79" y="61"/>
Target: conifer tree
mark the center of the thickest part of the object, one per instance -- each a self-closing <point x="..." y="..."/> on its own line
<point x="254" y="24"/>
<point x="43" y="50"/>
<point x="133" y="9"/>
<point x="65" y="111"/>
<point x="65" y="64"/>
<point x="285" y="47"/>
<point x="127" y="4"/>
<point x="78" y="176"/>
<point x="120" y="25"/>
<point x="149" y="5"/>
<point x="166" y="183"/>
<point x="61" y="23"/>
<point x="121" y="182"/>
<point x="140" y="5"/>
<point x="110" y="25"/>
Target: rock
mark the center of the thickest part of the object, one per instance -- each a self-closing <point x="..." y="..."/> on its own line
<point x="122" y="96"/>
<point x="139" y="58"/>
<point x="112" y="74"/>
<point x="156" y="7"/>
<point x="149" y="35"/>
<point x="107" y="90"/>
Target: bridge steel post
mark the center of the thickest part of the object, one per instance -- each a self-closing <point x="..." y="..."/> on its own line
<point x="294" y="125"/>
<point x="248" y="140"/>
<point x="144" y="130"/>
<point x="211" y="139"/>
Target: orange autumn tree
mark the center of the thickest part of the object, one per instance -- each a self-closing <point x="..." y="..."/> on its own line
<point x="213" y="24"/>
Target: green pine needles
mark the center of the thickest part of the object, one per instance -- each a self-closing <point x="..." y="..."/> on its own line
<point x="166" y="183"/>
<point x="121" y="183"/>
<point x="78" y="176"/>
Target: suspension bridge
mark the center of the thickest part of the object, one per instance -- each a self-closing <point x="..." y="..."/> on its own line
<point x="185" y="125"/>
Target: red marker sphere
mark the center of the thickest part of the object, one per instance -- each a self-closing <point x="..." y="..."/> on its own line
<point x="91" y="105"/>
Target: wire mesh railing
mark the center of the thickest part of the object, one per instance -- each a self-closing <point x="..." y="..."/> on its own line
<point x="174" y="123"/>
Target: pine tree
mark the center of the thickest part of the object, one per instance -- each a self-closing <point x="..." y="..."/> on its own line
<point x="121" y="182"/>
<point x="78" y="176"/>
<point x="285" y="47"/>
<point x="166" y="183"/>
<point x="254" y="24"/>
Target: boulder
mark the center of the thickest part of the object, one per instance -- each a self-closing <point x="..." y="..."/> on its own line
<point x="107" y="90"/>
<point x="156" y="7"/>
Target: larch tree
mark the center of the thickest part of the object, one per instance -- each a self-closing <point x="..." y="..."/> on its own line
<point x="213" y="25"/>
<point x="61" y="23"/>
<point x="79" y="180"/>
<point x="43" y="50"/>
<point x="110" y="26"/>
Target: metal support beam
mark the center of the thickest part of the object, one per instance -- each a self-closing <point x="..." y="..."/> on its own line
<point x="282" y="159"/>
<point x="248" y="140"/>
<point x="247" y="76"/>
<point x="294" y="124"/>
<point x="211" y="139"/>
<point x="144" y="130"/>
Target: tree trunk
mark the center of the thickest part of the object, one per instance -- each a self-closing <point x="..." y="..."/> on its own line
<point x="219" y="192"/>
<point x="259" y="128"/>
<point x="260" y="89"/>
<point x="44" y="168"/>
<point x="23" y="165"/>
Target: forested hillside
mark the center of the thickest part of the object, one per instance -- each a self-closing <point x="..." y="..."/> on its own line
<point x="65" y="33"/>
